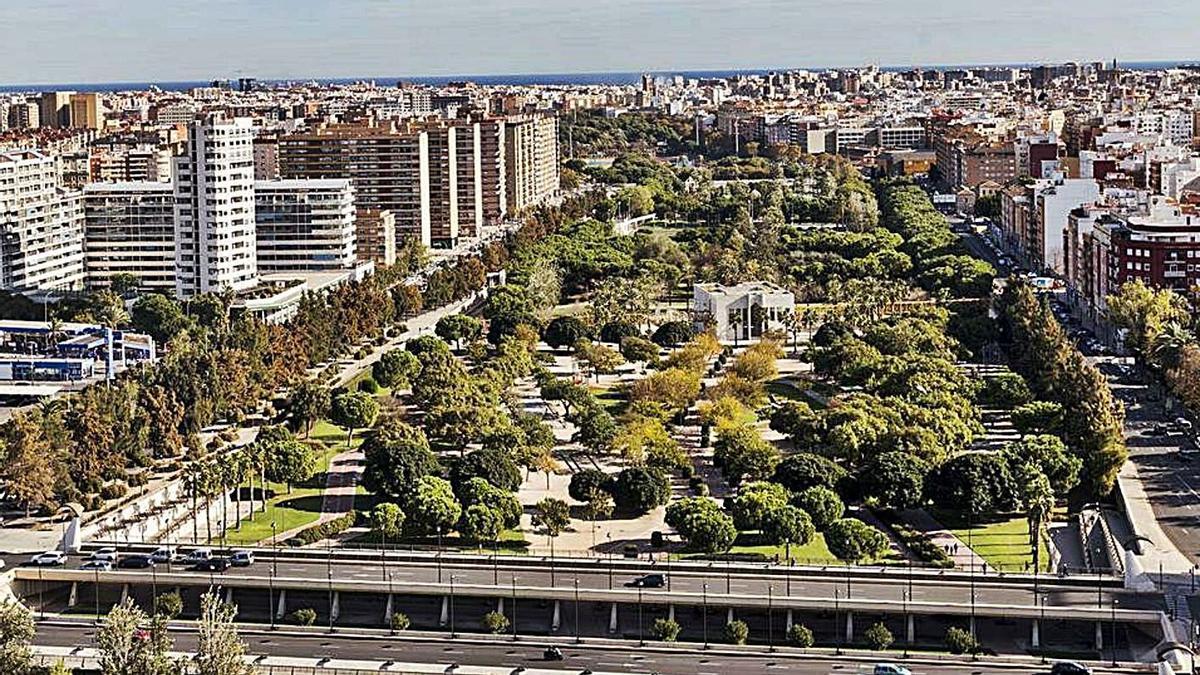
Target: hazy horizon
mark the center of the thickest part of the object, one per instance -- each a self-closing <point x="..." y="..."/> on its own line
<point x="82" y="41"/>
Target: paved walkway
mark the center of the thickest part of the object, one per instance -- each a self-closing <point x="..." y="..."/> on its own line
<point x="962" y="555"/>
<point x="341" y="483"/>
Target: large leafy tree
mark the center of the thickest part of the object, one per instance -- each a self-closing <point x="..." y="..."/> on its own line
<point x="433" y="506"/>
<point x="702" y="523"/>
<point x="396" y="457"/>
<point x="355" y="410"/>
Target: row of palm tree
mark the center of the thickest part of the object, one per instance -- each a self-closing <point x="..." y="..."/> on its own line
<point x="211" y="477"/>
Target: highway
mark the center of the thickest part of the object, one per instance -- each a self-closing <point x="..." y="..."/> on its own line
<point x="739" y="580"/>
<point x="610" y="657"/>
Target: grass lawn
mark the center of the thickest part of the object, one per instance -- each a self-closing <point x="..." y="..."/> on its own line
<point x="303" y="505"/>
<point x="814" y="552"/>
<point x="1002" y="542"/>
<point x="786" y="389"/>
<point x="611" y="399"/>
<point x="511" y="542"/>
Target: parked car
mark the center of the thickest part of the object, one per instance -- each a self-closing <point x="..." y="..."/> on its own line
<point x="97" y="565"/>
<point x="650" y="581"/>
<point x="891" y="669"/>
<point x="1183" y="424"/>
<point x="163" y="554"/>
<point x="139" y="561"/>
<point x="242" y="558"/>
<point x="552" y="654"/>
<point x="198" y="555"/>
<point x="49" y="558"/>
<point x="1070" y="668"/>
<point x="213" y="564"/>
<point x="108" y="553"/>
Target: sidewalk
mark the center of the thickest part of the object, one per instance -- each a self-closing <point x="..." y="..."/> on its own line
<point x="1160" y="550"/>
<point x="962" y="555"/>
<point x="341" y="484"/>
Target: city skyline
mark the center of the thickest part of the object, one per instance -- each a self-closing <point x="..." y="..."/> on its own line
<point x="370" y="38"/>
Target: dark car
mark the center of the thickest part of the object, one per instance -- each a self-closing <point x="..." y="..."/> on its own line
<point x="552" y="654"/>
<point x="1070" y="668"/>
<point x="136" y="562"/>
<point x="650" y="581"/>
<point x="214" y="564"/>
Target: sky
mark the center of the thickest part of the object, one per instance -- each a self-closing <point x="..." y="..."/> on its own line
<point x="79" y="41"/>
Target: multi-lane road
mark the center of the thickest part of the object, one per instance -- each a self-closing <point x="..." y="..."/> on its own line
<point x="882" y="585"/>
<point x="343" y="651"/>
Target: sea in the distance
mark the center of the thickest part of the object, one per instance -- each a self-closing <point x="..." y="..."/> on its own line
<point x="545" y="79"/>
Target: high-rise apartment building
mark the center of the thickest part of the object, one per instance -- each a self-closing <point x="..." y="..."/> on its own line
<point x="130" y="163"/>
<point x="531" y="160"/>
<point x="266" y="158"/>
<point x="56" y="109"/>
<point x="493" y="179"/>
<point x="443" y="184"/>
<point x="375" y="236"/>
<point x="24" y="115"/>
<point x="86" y="111"/>
<point x="214" y="208"/>
<point x="388" y="165"/>
<point x="304" y="225"/>
<point x="41" y="225"/>
<point x="130" y="229"/>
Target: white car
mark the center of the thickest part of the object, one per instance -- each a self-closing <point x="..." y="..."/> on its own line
<point x="97" y="565"/>
<point x="49" y="558"/>
<point x="198" y="555"/>
<point x="108" y="553"/>
<point x="163" y="554"/>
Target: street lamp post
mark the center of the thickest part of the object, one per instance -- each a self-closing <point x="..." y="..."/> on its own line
<point x="837" y="633"/>
<point x="1113" y="632"/>
<point x="770" y="618"/>
<point x="439" y="553"/>
<point x="452" y="578"/>
<point x="641" y="638"/>
<point x="904" y="598"/>
<point x="496" y="560"/>
<point x="577" y="610"/>
<point x="704" y="620"/>
<point x="1041" y="626"/>
<point x="96" y="592"/>
<point x="514" y="607"/>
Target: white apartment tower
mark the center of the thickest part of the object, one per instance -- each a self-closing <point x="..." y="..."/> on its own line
<point x="214" y="208"/>
<point x="304" y="225"/>
<point x="41" y="225"/>
<point x="131" y="230"/>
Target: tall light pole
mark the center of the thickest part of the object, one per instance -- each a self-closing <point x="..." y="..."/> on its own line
<point x="837" y="633"/>
<point x="514" y="607"/>
<point x="439" y="553"/>
<point x="577" y="610"/>
<point x="770" y="618"/>
<point x="1113" y="632"/>
<point x="452" y="578"/>
<point x="641" y="638"/>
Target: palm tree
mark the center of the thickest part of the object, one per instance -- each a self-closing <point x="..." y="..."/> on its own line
<point x="1039" y="509"/>
<point x="1167" y="346"/>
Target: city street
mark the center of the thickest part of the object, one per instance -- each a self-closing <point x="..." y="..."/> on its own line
<point x="441" y="655"/>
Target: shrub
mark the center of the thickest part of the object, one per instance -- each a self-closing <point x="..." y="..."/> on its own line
<point x="1005" y="391"/>
<point x="737" y="632"/>
<point x="878" y="637"/>
<point x="495" y="622"/>
<point x="303" y="616"/>
<point x="324" y="530"/>
<point x="666" y="630"/>
<point x="368" y="385"/>
<point x="959" y="641"/>
<point x="822" y="505"/>
<point x="399" y="621"/>
<point x="799" y="635"/>
<point x="113" y="491"/>
<point x="170" y="605"/>
<point x="853" y="540"/>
